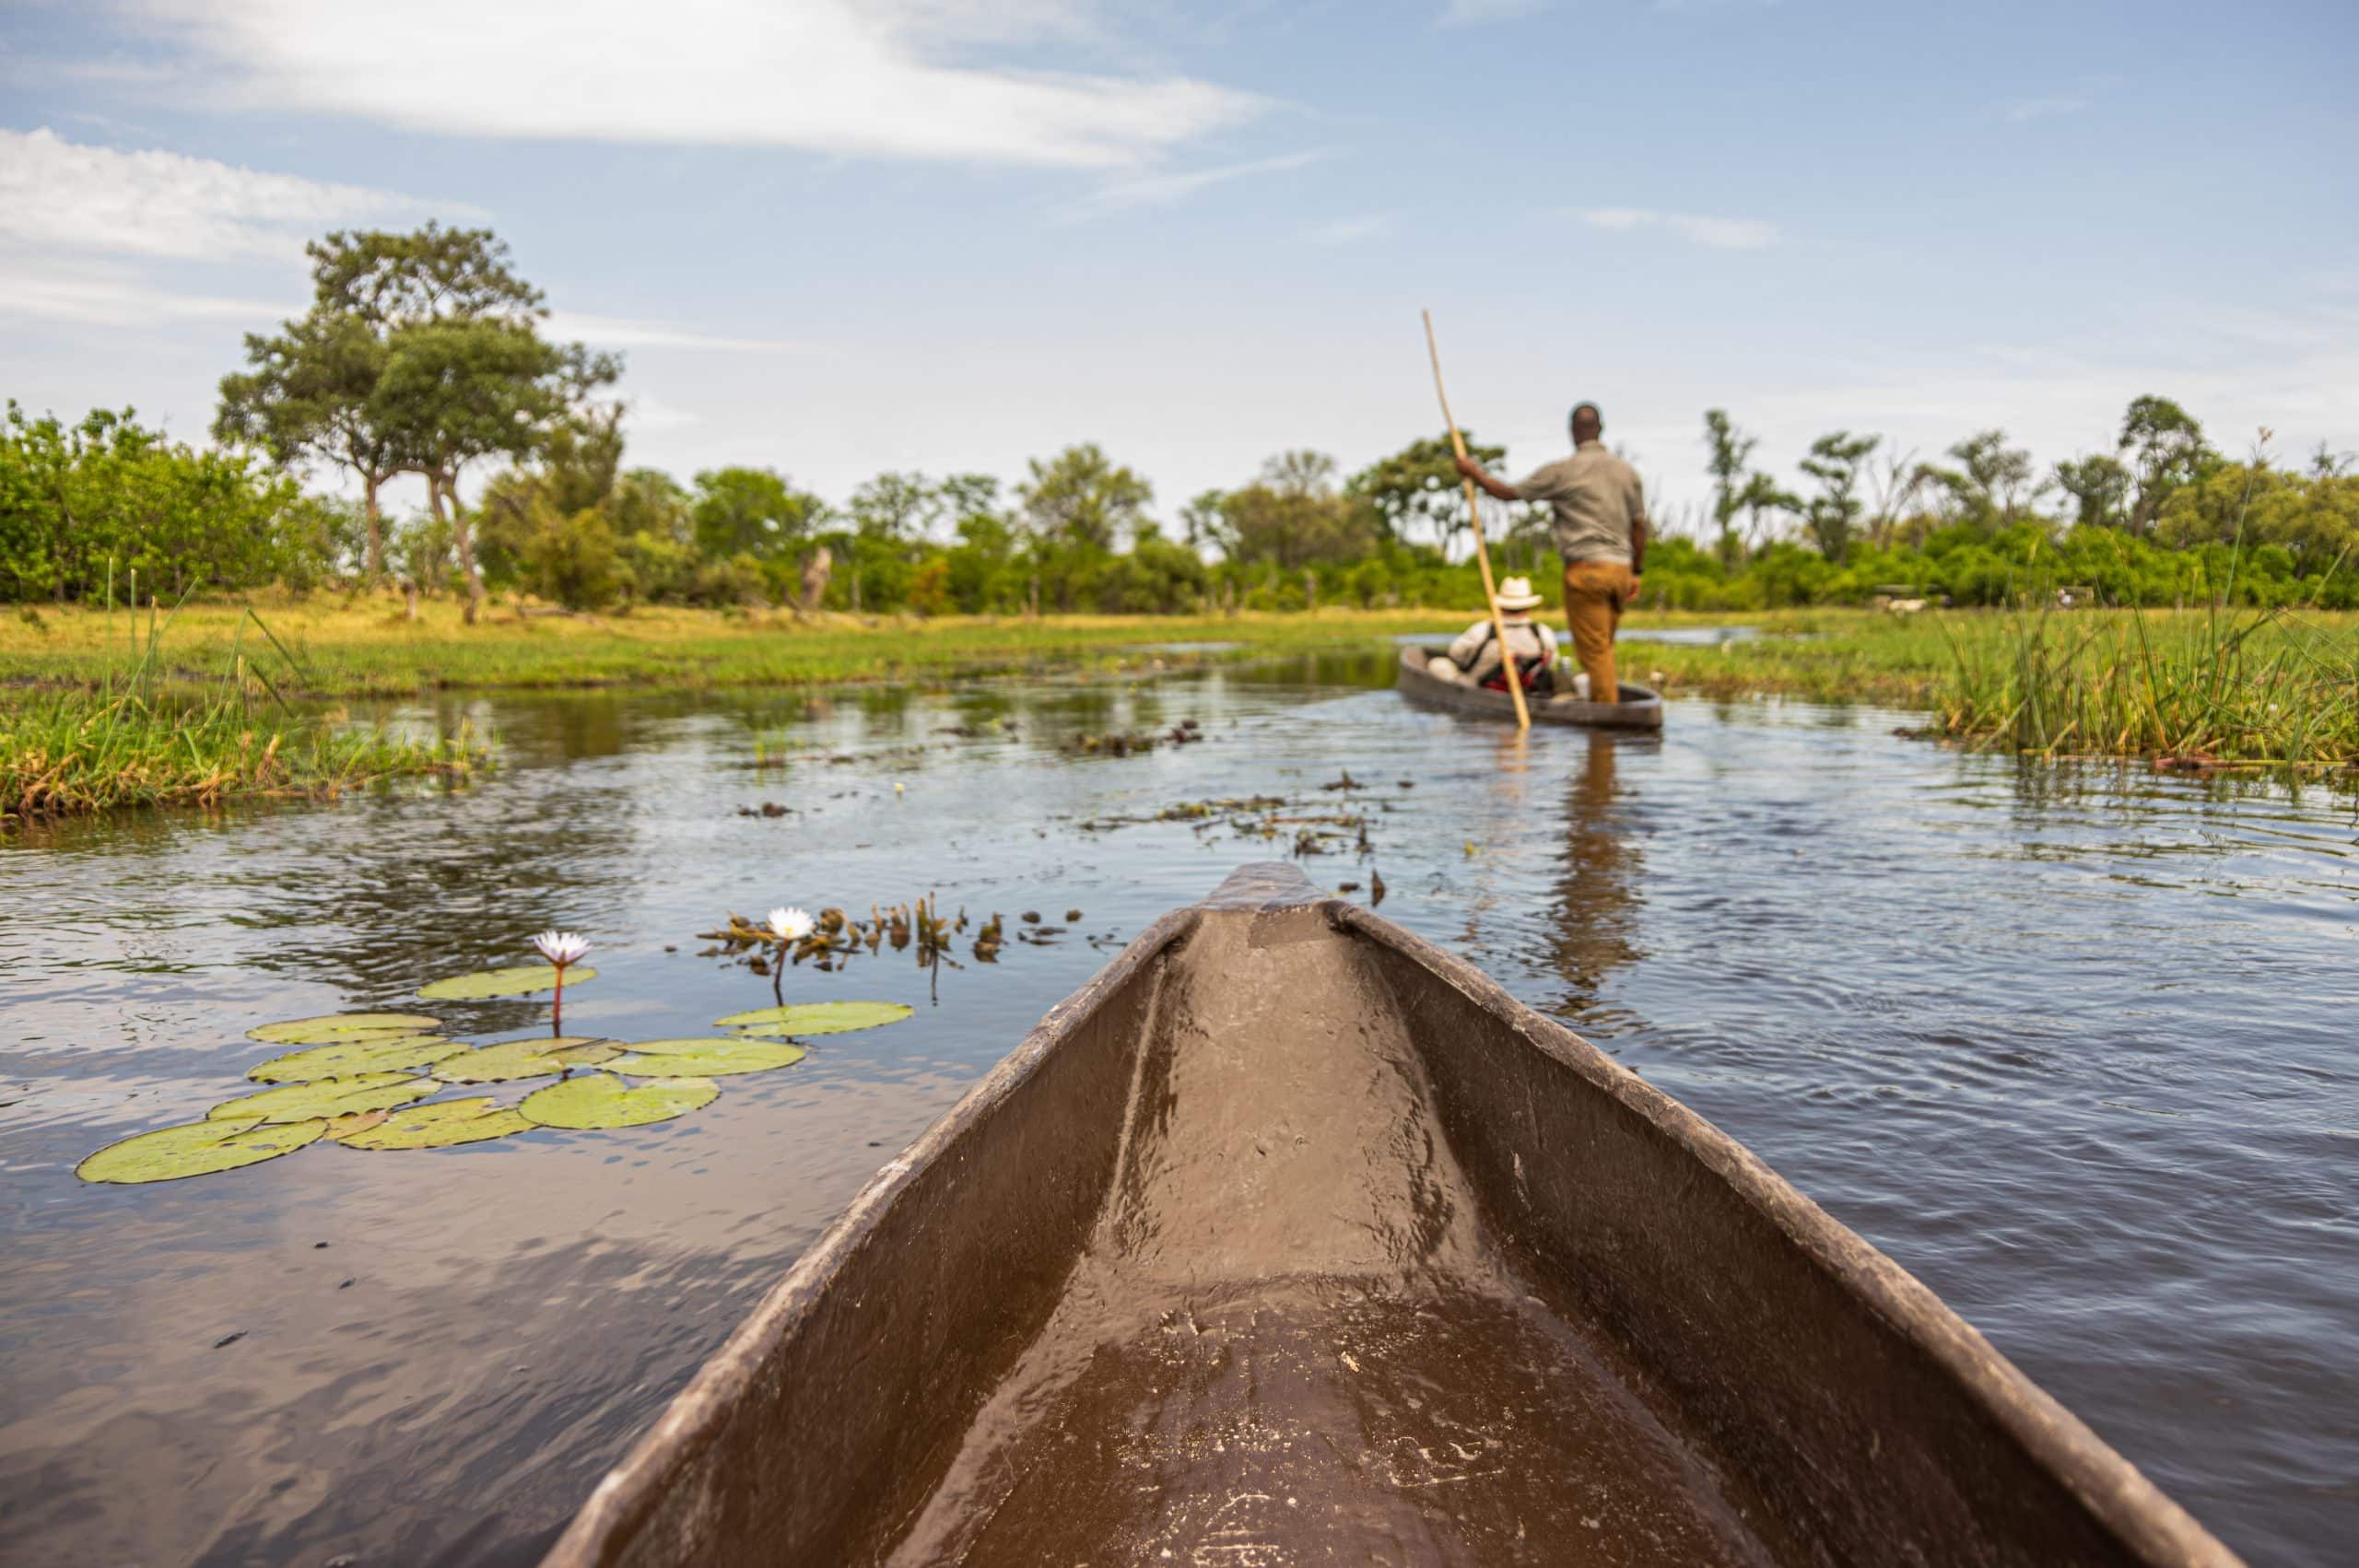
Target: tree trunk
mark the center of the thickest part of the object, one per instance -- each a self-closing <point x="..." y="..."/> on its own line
<point x="818" y="566"/>
<point x="442" y="488"/>
<point x="373" y="560"/>
<point x="1309" y="588"/>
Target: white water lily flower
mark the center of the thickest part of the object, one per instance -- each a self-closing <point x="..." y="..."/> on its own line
<point x="561" y="948"/>
<point x="791" y="924"/>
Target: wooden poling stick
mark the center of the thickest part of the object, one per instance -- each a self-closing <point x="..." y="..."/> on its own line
<point x="1481" y="555"/>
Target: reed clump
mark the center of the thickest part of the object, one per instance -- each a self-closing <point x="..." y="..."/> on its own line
<point x="2199" y="689"/>
<point x="139" y="738"/>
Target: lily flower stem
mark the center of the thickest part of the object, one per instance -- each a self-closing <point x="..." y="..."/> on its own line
<point x="557" y="1007"/>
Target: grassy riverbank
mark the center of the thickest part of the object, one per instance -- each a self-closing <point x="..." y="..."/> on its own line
<point x="2280" y="687"/>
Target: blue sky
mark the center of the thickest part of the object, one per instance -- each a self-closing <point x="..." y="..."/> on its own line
<point x="839" y="236"/>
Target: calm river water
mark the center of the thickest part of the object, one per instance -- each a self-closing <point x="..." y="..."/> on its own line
<point x="2076" y="1048"/>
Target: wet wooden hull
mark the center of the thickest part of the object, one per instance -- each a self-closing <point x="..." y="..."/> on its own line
<point x="1639" y="709"/>
<point x="1291" y="1239"/>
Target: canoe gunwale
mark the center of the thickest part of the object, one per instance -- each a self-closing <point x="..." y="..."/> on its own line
<point x="1643" y="715"/>
<point x="2112" y="1489"/>
<point x="630" y="1494"/>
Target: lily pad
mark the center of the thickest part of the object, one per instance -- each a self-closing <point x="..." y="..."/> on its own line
<point x="512" y="1059"/>
<point x="360" y="1055"/>
<point x="601" y="1099"/>
<point x="705" y="1058"/>
<point x="196" y="1148"/>
<point x="523" y="980"/>
<point x="327" y="1097"/>
<point x="441" y="1125"/>
<point x="817" y="1017"/>
<point x="338" y="1026"/>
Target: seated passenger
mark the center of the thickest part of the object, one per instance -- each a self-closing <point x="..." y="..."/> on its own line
<point x="1473" y="659"/>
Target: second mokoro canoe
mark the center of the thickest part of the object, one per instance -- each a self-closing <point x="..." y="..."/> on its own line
<point x="1639" y="709"/>
<point x="1289" y="1238"/>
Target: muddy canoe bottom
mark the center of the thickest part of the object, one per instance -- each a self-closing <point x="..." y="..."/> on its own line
<point x="1640" y="709"/>
<point x="1291" y="1239"/>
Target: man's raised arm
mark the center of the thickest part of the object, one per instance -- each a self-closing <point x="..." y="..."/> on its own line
<point x="1497" y="489"/>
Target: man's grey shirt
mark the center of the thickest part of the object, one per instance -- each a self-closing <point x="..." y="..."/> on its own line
<point x="1596" y="499"/>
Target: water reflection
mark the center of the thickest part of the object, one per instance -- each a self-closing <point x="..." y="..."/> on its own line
<point x="1595" y="922"/>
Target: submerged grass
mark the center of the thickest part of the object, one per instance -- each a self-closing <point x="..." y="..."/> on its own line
<point x="136" y="736"/>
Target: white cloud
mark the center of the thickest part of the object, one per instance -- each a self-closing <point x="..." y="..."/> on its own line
<point x="117" y="297"/>
<point x="1473" y="13"/>
<point x="2032" y="108"/>
<point x="1352" y="231"/>
<point x="835" y="75"/>
<point x="1720" y="233"/>
<point x="57" y="194"/>
<point x="623" y="332"/>
<point x="1167" y="189"/>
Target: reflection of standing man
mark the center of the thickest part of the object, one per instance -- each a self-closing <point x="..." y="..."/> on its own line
<point x="1601" y="527"/>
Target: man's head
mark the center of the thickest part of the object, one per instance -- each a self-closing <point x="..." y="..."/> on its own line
<point x="1588" y="423"/>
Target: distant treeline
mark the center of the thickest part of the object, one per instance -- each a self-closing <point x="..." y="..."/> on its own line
<point x="423" y="355"/>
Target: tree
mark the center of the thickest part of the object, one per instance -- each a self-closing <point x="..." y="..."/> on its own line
<point x="1991" y="482"/>
<point x="1832" y="516"/>
<point x="1761" y="497"/>
<point x="2099" y="487"/>
<point x="2164" y="449"/>
<point x="1292" y="516"/>
<point x="1419" y="486"/>
<point x="895" y="507"/>
<point x="1080" y="498"/>
<point x="457" y="391"/>
<point x="1727" y="452"/>
<point x="309" y="395"/>
<point x="752" y="512"/>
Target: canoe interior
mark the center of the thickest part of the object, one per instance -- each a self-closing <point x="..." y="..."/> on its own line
<point x="1290" y="1239"/>
<point x="1640" y="709"/>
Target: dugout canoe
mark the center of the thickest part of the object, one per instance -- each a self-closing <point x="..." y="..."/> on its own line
<point x="1289" y="1238"/>
<point x="1639" y="709"/>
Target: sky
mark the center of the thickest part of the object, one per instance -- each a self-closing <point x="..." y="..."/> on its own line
<point x="837" y="237"/>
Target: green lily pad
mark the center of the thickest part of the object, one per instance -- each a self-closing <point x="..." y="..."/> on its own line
<point x="512" y="1059"/>
<point x="817" y="1017"/>
<point x="327" y="1097"/>
<point x="442" y="1125"/>
<point x="601" y="1099"/>
<point x="523" y="980"/>
<point x="338" y="1026"/>
<point x="348" y="1057"/>
<point x="705" y="1058"/>
<point x="196" y="1148"/>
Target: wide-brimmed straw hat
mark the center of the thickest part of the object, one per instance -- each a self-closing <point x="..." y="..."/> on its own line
<point x="1516" y="593"/>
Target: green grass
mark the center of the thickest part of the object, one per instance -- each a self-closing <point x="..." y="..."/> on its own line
<point x="135" y="729"/>
<point x="2276" y="690"/>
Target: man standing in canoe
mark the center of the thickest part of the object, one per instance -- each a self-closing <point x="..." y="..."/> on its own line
<point x="1600" y="525"/>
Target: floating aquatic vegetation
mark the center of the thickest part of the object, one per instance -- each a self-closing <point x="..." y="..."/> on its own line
<point x="444" y="1124"/>
<point x="817" y="1018"/>
<point x="725" y="1058"/>
<point x="361" y="1054"/>
<point x="338" y="1026"/>
<point x="833" y="937"/>
<point x="512" y="1059"/>
<point x="327" y="1097"/>
<point x="602" y="1100"/>
<point x="197" y="1148"/>
<point x="525" y="980"/>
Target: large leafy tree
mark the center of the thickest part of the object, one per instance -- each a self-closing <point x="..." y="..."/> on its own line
<point x="1080" y="496"/>
<point x="1727" y="452"/>
<point x="1417" y="488"/>
<point x="421" y="354"/>
<point x="752" y="512"/>
<point x="1292" y="515"/>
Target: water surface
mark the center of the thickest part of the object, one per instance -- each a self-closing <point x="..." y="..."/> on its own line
<point x="2075" y="1047"/>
